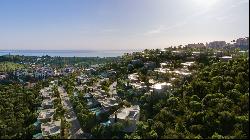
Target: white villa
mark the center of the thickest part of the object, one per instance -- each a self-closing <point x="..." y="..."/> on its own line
<point x="186" y="64"/>
<point x="162" y="70"/>
<point x="160" y="87"/>
<point x="128" y="116"/>
<point x="225" y="58"/>
<point x="196" y="54"/>
<point x="133" y="77"/>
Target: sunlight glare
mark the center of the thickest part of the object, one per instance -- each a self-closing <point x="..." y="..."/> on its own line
<point x="205" y="3"/>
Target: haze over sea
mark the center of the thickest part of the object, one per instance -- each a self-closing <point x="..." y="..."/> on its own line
<point x="68" y="53"/>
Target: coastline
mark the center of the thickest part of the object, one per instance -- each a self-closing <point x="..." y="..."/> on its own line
<point x="68" y="53"/>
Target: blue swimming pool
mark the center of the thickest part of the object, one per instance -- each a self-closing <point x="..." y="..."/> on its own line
<point x="96" y="110"/>
<point x="107" y="123"/>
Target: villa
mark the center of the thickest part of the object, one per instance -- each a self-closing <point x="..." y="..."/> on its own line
<point x="47" y="104"/>
<point x="92" y="103"/>
<point x="90" y="71"/>
<point x="225" y="58"/>
<point x="51" y="128"/>
<point x="178" y="53"/>
<point x="162" y="70"/>
<point x="133" y="77"/>
<point x="187" y="64"/>
<point x="139" y="85"/>
<point x="160" y="87"/>
<point x="107" y="103"/>
<point x="218" y="53"/>
<point x="163" y="64"/>
<point x="46" y="93"/>
<point x="196" y="54"/>
<point x="46" y="115"/>
<point x="128" y="116"/>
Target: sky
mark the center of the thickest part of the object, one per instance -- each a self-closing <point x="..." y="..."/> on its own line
<point x="119" y="24"/>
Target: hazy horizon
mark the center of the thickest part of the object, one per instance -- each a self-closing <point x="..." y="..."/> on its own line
<point x="119" y="25"/>
<point x="116" y="49"/>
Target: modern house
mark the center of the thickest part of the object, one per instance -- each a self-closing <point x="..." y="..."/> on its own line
<point x="225" y="58"/>
<point x="46" y="115"/>
<point x="133" y="77"/>
<point x="160" y="87"/>
<point x="187" y="64"/>
<point x="128" y="116"/>
<point x="178" y="53"/>
<point x="92" y="103"/>
<point x="46" y="93"/>
<point x="47" y="104"/>
<point x="107" y="103"/>
<point x="90" y="71"/>
<point x="196" y="54"/>
<point x="218" y="53"/>
<point x="51" y="128"/>
<point x="161" y="70"/>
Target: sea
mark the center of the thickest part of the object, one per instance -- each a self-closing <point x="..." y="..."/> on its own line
<point x="68" y="53"/>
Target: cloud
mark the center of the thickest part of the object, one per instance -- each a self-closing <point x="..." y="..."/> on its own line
<point x="163" y="28"/>
<point x="160" y="29"/>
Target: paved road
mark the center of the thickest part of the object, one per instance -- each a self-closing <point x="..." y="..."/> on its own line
<point x="75" y="130"/>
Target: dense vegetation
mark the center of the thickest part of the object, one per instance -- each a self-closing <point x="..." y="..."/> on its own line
<point x="212" y="103"/>
<point x="9" y="66"/>
<point x="215" y="104"/>
<point x="18" y="107"/>
<point x="56" y="61"/>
